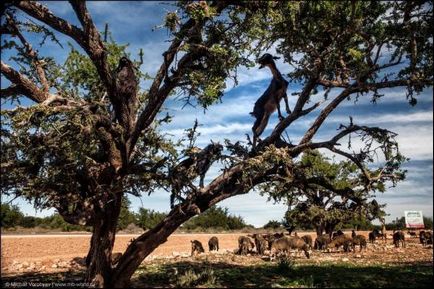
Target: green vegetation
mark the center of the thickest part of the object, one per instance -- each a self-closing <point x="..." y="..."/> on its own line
<point x="217" y="218"/>
<point x="265" y="275"/>
<point x="399" y="224"/>
<point x="341" y="275"/>
<point x="273" y="224"/>
<point x="334" y="197"/>
<point x="148" y="219"/>
<point x="11" y="216"/>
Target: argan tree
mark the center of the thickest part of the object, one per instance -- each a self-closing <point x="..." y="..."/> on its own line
<point x="331" y="194"/>
<point x="89" y="132"/>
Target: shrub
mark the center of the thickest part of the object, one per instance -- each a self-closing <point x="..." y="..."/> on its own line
<point x="11" y="216"/>
<point x="216" y="217"/>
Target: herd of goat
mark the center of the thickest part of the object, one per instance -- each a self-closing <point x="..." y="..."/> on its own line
<point x="279" y="243"/>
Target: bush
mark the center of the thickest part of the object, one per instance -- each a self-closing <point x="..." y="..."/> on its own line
<point x="191" y="279"/>
<point x="273" y="224"/>
<point x="56" y="221"/>
<point x="147" y="219"/>
<point x="11" y="216"/>
<point x="126" y="217"/>
<point x="29" y="222"/>
<point x="284" y="264"/>
<point x="216" y="217"/>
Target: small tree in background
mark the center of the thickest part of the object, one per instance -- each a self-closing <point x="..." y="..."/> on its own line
<point x="273" y="224"/>
<point x="126" y="217"/>
<point x="217" y="218"/>
<point x="336" y="198"/>
<point x="148" y="219"/>
<point x="11" y="216"/>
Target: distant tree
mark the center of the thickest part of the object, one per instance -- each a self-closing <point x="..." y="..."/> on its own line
<point x="126" y="217"/>
<point x="358" y="222"/>
<point x="273" y="224"/>
<point x="428" y="223"/>
<point x="11" y="216"/>
<point x="56" y="221"/>
<point x="216" y="217"/>
<point x="30" y="222"/>
<point x="148" y="219"/>
<point x="397" y="224"/>
<point x="336" y="198"/>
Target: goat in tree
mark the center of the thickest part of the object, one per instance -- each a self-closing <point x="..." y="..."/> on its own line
<point x="196" y="165"/>
<point x="126" y="83"/>
<point x="270" y="99"/>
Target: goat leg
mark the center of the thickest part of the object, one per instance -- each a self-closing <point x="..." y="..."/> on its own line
<point x="276" y="99"/>
<point x="202" y="177"/>
<point x="285" y="97"/>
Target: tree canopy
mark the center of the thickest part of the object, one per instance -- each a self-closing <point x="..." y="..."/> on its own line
<point x="341" y="200"/>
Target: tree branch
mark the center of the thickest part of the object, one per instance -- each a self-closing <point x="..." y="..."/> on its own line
<point x="43" y="14"/>
<point x="157" y="94"/>
<point x="93" y="44"/>
<point x="90" y="42"/>
<point x="13" y="90"/>
<point x="23" y="84"/>
<point x="31" y="53"/>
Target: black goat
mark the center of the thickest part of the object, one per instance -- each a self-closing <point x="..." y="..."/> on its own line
<point x="197" y="164"/>
<point x="270" y="99"/>
<point x="398" y="237"/>
<point x="125" y="102"/>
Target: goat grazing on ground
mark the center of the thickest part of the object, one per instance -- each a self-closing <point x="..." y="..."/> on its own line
<point x="398" y="238"/>
<point x="425" y="237"/>
<point x="374" y="235"/>
<point x="308" y="240"/>
<point x="213" y="244"/>
<point x="359" y="240"/>
<point x="245" y="245"/>
<point x="260" y="243"/>
<point x="322" y="241"/>
<point x="286" y="243"/>
<point x="270" y="99"/>
<point x="196" y="247"/>
<point x="341" y="240"/>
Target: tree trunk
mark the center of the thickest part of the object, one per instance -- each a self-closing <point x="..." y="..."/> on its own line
<point x="98" y="260"/>
<point x="329" y="228"/>
<point x="146" y="243"/>
<point x="319" y="230"/>
<point x="220" y="189"/>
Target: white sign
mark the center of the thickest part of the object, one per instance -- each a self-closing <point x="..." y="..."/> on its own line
<point x="414" y="219"/>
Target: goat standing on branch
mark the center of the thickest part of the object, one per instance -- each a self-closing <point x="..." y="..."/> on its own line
<point x="196" y="165"/>
<point x="126" y="84"/>
<point x="269" y="101"/>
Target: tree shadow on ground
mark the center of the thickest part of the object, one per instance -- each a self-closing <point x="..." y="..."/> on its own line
<point x="222" y="274"/>
<point x="410" y="275"/>
<point x="74" y="279"/>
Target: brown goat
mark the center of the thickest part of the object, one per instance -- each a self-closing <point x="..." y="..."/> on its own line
<point x="341" y="240"/>
<point x="245" y="245"/>
<point x="284" y="244"/>
<point x="270" y="99"/>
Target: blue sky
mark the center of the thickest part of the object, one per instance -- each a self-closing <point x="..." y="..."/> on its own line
<point x="134" y="23"/>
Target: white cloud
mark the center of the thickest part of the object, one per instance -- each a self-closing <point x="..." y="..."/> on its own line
<point x="365" y="119"/>
<point x="254" y="208"/>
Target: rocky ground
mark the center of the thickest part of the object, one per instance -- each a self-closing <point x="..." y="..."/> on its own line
<point x="56" y="254"/>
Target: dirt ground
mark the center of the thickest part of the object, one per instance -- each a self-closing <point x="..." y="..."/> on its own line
<point x="58" y="253"/>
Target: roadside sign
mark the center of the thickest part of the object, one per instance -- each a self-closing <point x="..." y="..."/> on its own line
<point x="414" y="219"/>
